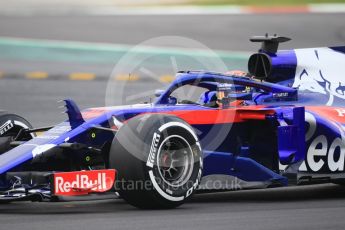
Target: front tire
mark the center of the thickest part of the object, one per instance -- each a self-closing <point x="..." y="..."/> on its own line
<point x="10" y="125"/>
<point x="158" y="159"/>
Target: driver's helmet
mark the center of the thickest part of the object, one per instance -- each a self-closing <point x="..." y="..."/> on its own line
<point x="224" y="90"/>
<point x="226" y="93"/>
<point x="239" y="73"/>
<point x="208" y="98"/>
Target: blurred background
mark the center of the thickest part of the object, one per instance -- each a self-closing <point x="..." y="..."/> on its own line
<point x="55" y="49"/>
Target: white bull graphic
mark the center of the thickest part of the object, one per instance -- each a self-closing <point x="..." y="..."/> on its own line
<point x="321" y="70"/>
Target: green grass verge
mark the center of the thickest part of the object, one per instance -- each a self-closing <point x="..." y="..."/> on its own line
<point x="260" y="2"/>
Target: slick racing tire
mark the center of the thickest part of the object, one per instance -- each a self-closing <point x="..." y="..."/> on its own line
<point x="10" y="125"/>
<point x="158" y="159"/>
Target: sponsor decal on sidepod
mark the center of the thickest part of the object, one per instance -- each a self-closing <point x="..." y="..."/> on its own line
<point x="321" y="152"/>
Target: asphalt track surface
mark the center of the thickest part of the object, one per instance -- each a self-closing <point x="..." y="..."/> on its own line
<point x="37" y="100"/>
<point x="221" y="32"/>
<point x="307" y="207"/>
<point x="225" y="32"/>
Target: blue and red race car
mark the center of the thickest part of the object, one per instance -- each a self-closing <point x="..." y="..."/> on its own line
<point x="230" y="131"/>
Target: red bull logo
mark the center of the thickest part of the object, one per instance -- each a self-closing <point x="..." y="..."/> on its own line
<point x="83" y="182"/>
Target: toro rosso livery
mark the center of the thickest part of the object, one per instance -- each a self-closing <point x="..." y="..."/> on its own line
<point x="267" y="128"/>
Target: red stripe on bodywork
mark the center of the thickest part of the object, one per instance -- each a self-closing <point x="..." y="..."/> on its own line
<point x="222" y="116"/>
<point x="333" y="113"/>
<point x="94" y="112"/>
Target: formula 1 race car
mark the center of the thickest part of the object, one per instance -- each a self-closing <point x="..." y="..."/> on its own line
<point x="233" y="131"/>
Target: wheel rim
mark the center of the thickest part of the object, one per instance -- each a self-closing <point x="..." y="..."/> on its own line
<point x="175" y="161"/>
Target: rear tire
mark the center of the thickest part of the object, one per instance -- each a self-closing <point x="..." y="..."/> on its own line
<point x="158" y="159"/>
<point x="10" y="125"/>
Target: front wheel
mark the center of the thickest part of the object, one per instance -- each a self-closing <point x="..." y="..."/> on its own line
<point x="158" y="159"/>
<point x="10" y="125"/>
